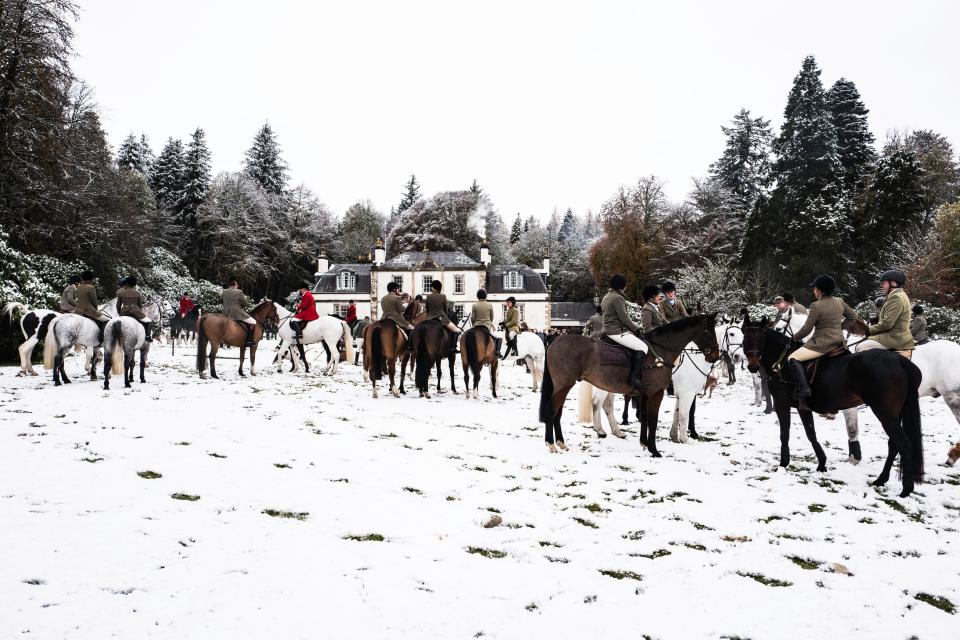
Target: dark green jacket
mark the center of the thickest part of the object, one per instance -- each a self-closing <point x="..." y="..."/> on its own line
<point x="892" y="330"/>
<point x="826" y="318"/>
<point x="616" y="320"/>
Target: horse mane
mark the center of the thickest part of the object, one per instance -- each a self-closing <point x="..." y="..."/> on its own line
<point x="260" y="305"/>
<point x="677" y="325"/>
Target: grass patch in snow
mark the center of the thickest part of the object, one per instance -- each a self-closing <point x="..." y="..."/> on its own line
<point x="896" y="506"/>
<point x="659" y="553"/>
<point x="216" y="455"/>
<point x="937" y="601"/>
<point x="294" y="515"/>
<point x="487" y="553"/>
<point x="866" y="521"/>
<point x="595" y="508"/>
<point x="620" y="575"/>
<point x="35" y="581"/>
<point x="370" y="537"/>
<point x="413" y="490"/>
<point x="817" y="508"/>
<point x="184" y="496"/>
<point x="693" y="545"/>
<point x="281" y="465"/>
<point x="633" y="535"/>
<point x="764" y="580"/>
<point x="92" y="459"/>
<point x="586" y="523"/>
<point x="698" y="526"/>
<point x="547" y="543"/>
<point x="556" y="559"/>
<point x="770" y="519"/>
<point x="804" y="563"/>
<point x="149" y="475"/>
<point x="532" y="606"/>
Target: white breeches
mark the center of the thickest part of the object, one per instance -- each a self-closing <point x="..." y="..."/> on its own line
<point x="630" y="341"/>
<point x="250" y="320"/>
<point x="511" y="335"/>
<point x="873" y="344"/>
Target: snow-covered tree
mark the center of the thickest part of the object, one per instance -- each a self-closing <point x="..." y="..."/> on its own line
<point x="196" y="185"/>
<point x="263" y="162"/>
<point x="743" y="169"/>
<point x="567" y="226"/>
<point x="445" y="222"/>
<point x="854" y="140"/>
<point x="516" y="231"/>
<point x="941" y="171"/>
<point x="357" y="232"/>
<point x="167" y="177"/>
<point x="135" y="155"/>
<point x="411" y="194"/>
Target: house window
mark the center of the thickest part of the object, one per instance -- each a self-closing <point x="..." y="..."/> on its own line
<point x="346" y="281"/>
<point x="398" y="280"/>
<point x="425" y="283"/>
<point x="340" y="309"/>
<point x="459" y="284"/>
<point x="512" y="280"/>
<point x="458" y="309"/>
<point x="523" y="315"/>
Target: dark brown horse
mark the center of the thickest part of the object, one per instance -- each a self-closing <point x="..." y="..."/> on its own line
<point x="218" y="329"/>
<point x="477" y="348"/>
<point x="432" y="342"/>
<point x="383" y="343"/>
<point x="571" y="358"/>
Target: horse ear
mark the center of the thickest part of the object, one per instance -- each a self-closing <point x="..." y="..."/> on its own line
<point x="763" y="321"/>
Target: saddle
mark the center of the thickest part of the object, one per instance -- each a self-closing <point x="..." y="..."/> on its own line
<point x="613" y="354"/>
<point x="830" y="355"/>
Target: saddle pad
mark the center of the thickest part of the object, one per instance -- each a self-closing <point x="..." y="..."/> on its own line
<point x="611" y="355"/>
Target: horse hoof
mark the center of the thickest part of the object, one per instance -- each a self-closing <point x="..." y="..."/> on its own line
<point x="656" y="454"/>
<point x="879" y="482"/>
<point x="601" y="435"/>
<point x="852" y="460"/>
<point x="906" y="492"/>
<point x="695" y="436"/>
<point x="551" y="448"/>
<point x="56" y="383"/>
<point x="375" y="393"/>
<point x="821" y="467"/>
<point x="625" y="423"/>
<point x="562" y="445"/>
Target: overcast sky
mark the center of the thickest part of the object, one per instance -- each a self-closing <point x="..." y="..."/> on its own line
<point x="546" y="104"/>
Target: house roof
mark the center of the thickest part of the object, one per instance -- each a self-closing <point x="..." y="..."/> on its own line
<point x="532" y="282"/>
<point x="572" y="311"/>
<point x="426" y="260"/>
<point x="327" y="282"/>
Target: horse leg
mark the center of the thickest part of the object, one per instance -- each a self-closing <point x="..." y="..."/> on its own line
<point x="453" y="378"/>
<point x="26" y="352"/>
<point x="243" y="353"/>
<point x="143" y="365"/>
<point x="493" y="375"/>
<point x="466" y="378"/>
<point x="597" y="406"/>
<point x="214" y="347"/>
<point x="765" y="388"/>
<point x="611" y="415"/>
<point x="552" y="427"/>
<point x="128" y="363"/>
<point x="392" y="370"/>
<point x="853" y="435"/>
<point x="653" y="409"/>
<point x="898" y="442"/>
<point x="783" y="416"/>
<point x="626" y="411"/>
<point x="642" y="418"/>
<point x="303" y="356"/>
<point x="107" y="357"/>
<point x="676" y="424"/>
<point x="887" y="465"/>
<point x="253" y="360"/>
<point x="806" y="417"/>
<point x="404" y="359"/>
<point x="691" y="420"/>
<point x="557" y="431"/>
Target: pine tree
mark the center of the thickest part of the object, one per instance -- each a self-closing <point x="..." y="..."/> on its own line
<point x="166" y="179"/>
<point x="895" y="200"/>
<point x="445" y="222"/>
<point x="410" y="196"/>
<point x="516" y="232"/>
<point x="567" y="227"/>
<point x="854" y="140"/>
<point x="498" y="240"/>
<point x="475" y="189"/>
<point x="129" y="155"/>
<point x="743" y="170"/>
<point x="146" y="153"/>
<point x="263" y="162"/>
<point x="941" y="171"/>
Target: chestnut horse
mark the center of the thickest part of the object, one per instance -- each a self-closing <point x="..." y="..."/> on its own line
<point x="218" y="329"/>
<point x="477" y="348"/>
<point x="571" y="358"/>
<point x="383" y="343"/>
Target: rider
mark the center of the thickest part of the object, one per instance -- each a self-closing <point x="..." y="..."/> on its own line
<point x="68" y="300"/>
<point x="437" y="308"/>
<point x="186" y="305"/>
<point x="650" y="316"/>
<point x="594" y="326"/>
<point x="918" y="326"/>
<point x="785" y="305"/>
<point x="307" y="311"/>
<point x="87" y="303"/>
<point x="671" y="307"/>
<point x="233" y="309"/>
<point x="391" y="308"/>
<point x="618" y="326"/>
<point x="791" y="302"/>
<point x="825" y="318"/>
<point x="130" y="303"/>
<point x="351" y="317"/>
<point x="511" y="324"/>
<point x="892" y="329"/>
<point x="358" y="335"/>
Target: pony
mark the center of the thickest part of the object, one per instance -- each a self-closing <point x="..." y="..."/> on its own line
<point x="572" y="357"/>
<point x="477" y="348"/>
<point x="327" y="330"/>
<point x="218" y="329"/>
<point x="530" y="350"/>
<point x="67" y="331"/>
<point x="121" y="337"/>
<point x="383" y="342"/>
<point x="34" y="324"/>
<point x="883" y="380"/>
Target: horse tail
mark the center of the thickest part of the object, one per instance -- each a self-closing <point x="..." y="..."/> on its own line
<point x="911" y="419"/>
<point x="546" y="395"/>
<point x="422" y="374"/>
<point x="470" y="344"/>
<point x="585" y="401"/>
<point x="201" y="345"/>
<point x="8" y="310"/>
<point x="347" y="341"/>
<point x="50" y="345"/>
<point x="376" y="352"/>
<point x="116" y="347"/>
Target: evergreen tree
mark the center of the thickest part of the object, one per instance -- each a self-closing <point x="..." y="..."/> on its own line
<point x="941" y="172"/>
<point x="196" y="185"/>
<point x="895" y="201"/>
<point x="516" y="231"/>
<point x="263" y="162"/>
<point x="357" y="232"/>
<point x="410" y="196"/>
<point x="445" y="222"/>
<point x="567" y="227"/>
<point x="146" y="154"/>
<point x="167" y="177"/>
<point x="854" y="140"/>
<point x="130" y="156"/>
<point x="498" y="240"/>
<point x="743" y="170"/>
<point x="475" y="189"/>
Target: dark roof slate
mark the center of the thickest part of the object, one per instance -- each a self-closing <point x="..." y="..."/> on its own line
<point x="532" y="281"/>
<point x="327" y="282"/>
<point x="415" y="259"/>
<point x="577" y="311"/>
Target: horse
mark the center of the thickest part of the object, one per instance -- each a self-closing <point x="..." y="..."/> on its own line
<point x="121" y="337"/>
<point x="937" y="361"/>
<point x="33" y="324"/>
<point x="67" y="331"/>
<point x="477" y="348"/>
<point x="218" y="329"/>
<point x="327" y="330"/>
<point x="531" y="350"/>
<point x="885" y="381"/>
<point x="184" y="329"/>
<point x="731" y="344"/>
<point x="383" y="343"/>
<point x="432" y="342"/>
<point x="572" y="357"/>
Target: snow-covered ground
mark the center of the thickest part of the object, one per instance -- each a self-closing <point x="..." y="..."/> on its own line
<point x="602" y="541"/>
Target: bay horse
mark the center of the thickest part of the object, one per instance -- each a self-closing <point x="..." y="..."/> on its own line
<point x="883" y="380"/>
<point x="383" y="343"/>
<point x="571" y="358"/>
<point x="432" y="342"/>
<point x="218" y="329"/>
<point x="477" y="348"/>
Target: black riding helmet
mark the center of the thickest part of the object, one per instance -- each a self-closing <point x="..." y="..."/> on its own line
<point x="130" y="281"/>
<point x="392" y="286"/>
<point x="895" y="275"/>
<point x="481" y="294"/>
<point x="825" y="283"/>
<point x="87" y="275"/>
<point x="668" y="287"/>
<point x="618" y="281"/>
<point x="512" y="300"/>
<point x="917" y="310"/>
<point x="650" y="292"/>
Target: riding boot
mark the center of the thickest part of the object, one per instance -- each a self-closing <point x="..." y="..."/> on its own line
<point x="636" y="371"/>
<point x="148" y="335"/>
<point x="100" y="328"/>
<point x="249" y="328"/>
<point x="297" y="330"/>
<point x="513" y="346"/>
<point x="497" y="343"/>
<point x="803" y="385"/>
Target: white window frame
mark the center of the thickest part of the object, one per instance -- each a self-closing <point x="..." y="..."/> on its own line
<point x="341" y="308"/>
<point x="519" y="307"/>
<point x="513" y="281"/>
<point x="459" y="308"/>
<point x="425" y="282"/>
<point x="459" y="284"/>
<point x="398" y="280"/>
<point x="346" y="281"/>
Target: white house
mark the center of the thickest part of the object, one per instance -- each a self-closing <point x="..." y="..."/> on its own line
<point x="366" y="282"/>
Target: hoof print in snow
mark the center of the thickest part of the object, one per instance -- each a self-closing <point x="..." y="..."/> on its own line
<point x="184" y="496"/>
<point x="295" y="515"/>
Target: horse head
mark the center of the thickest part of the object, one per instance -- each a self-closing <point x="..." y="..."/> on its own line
<point x="953" y="454"/>
<point x="753" y="336"/>
<point x="706" y="340"/>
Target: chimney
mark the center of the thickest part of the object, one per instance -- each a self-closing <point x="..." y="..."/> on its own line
<point x="379" y="253"/>
<point x="323" y="264"/>
<point x="485" y="253"/>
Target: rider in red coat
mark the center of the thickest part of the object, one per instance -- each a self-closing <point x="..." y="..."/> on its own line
<point x="306" y="311"/>
<point x="351" y="317"/>
<point x="186" y="305"/>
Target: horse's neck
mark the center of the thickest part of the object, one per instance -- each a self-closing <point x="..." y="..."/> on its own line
<point x="674" y="343"/>
<point x="774" y="345"/>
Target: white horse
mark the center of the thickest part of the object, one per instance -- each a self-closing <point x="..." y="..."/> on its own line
<point x="326" y="330"/>
<point x="121" y="337"/>
<point x="65" y="332"/>
<point x="689" y="379"/>
<point x="32" y="322"/>
<point x="530" y="349"/>
<point x="730" y="339"/>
